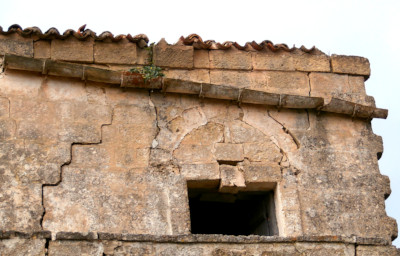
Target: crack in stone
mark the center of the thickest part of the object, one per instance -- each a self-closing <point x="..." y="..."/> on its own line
<point x="69" y="162"/>
<point x="309" y="84"/>
<point x="308" y="119"/>
<point x="286" y="130"/>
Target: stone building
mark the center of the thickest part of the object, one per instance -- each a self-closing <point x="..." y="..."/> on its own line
<point x="258" y="149"/>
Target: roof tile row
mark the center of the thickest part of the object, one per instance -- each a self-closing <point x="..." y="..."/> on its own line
<point x="142" y="40"/>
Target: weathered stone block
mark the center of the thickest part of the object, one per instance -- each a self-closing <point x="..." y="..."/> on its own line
<point x="198" y="75"/>
<point x="294" y="61"/>
<point x="201" y="172"/>
<point x="281" y="61"/>
<point x="20" y="83"/>
<point x="16" y="45"/>
<point x="205" y="135"/>
<point x="264" y="151"/>
<point x="295" y="83"/>
<point x="116" y="200"/>
<point x="331" y="249"/>
<point x="143" y="56"/>
<point x="230" y="59"/>
<point x="311" y="62"/>
<point x="72" y="49"/>
<point x="232" y="179"/>
<point x="201" y="59"/>
<point x="42" y="49"/>
<point x="269" y="81"/>
<point x="344" y="87"/>
<point x="174" y="56"/>
<point x="373" y="250"/>
<point x="198" y="154"/>
<point x="229" y="152"/>
<point x="19" y="247"/>
<point x="350" y="65"/>
<point x="64" y="248"/>
<point x="261" y="176"/>
<point x="238" y="79"/>
<point x="55" y="89"/>
<point x="122" y="52"/>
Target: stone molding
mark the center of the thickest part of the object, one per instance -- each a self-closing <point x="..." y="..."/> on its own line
<point x="204" y="90"/>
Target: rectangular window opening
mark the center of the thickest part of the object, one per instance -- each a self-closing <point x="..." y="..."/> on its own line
<point x="244" y="213"/>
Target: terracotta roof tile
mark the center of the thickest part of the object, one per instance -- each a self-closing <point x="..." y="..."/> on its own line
<point x="142" y="40"/>
<point x="81" y="34"/>
<point x="197" y="42"/>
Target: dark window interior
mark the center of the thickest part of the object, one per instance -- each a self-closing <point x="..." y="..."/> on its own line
<point x="245" y="213"/>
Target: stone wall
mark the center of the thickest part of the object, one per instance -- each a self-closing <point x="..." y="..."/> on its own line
<point x="91" y="166"/>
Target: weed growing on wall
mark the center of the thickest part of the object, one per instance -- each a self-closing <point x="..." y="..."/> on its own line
<point x="150" y="71"/>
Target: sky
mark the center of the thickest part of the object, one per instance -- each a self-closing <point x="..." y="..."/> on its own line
<point x="347" y="27"/>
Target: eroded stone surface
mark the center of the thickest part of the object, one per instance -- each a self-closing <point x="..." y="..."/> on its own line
<point x="120" y="161"/>
<point x="22" y="247"/>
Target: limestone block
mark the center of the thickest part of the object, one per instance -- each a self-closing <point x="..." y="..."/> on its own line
<point x="17" y="45"/>
<point x="21" y="84"/>
<point x="197" y="154"/>
<point x="145" y="249"/>
<point x="269" y="81"/>
<point x="293" y="119"/>
<point x="20" y="204"/>
<point x="174" y="56"/>
<point x="239" y="79"/>
<point x="280" y="61"/>
<point x="64" y="89"/>
<point x="229" y="152"/>
<point x="261" y="177"/>
<point x="42" y="49"/>
<point x="373" y="250"/>
<point x="226" y="252"/>
<point x="143" y="56"/>
<point x="197" y="75"/>
<point x="331" y="249"/>
<point x="295" y="83"/>
<point x="263" y="151"/>
<point x="240" y="132"/>
<point x="116" y="200"/>
<point x="230" y="59"/>
<point x="232" y="179"/>
<point x="122" y="52"/>
<point x="294" y="61"/>
<point x="350" y="65"/>
<point x="72" y="49"/>
<point x="205" y="135"/>
<point x="311" y="62"/>
<point x="76" y="132"/>
<point x="22" y="247"/>
<point x="66" y="248"/>
<point x="344" y="87"/>
<point x="202" y="173"/>
<point x="135" y="114"/>
<point x="95" y="93"/>
<point x="201" y="59"/>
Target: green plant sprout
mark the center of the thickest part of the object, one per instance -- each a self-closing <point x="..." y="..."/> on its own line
<point x="148" y="72"/>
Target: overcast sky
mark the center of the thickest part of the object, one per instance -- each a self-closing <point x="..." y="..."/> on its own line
<point x="364" y="28"/>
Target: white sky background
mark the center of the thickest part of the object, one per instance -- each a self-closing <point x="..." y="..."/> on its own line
<point x="363" y="28"/>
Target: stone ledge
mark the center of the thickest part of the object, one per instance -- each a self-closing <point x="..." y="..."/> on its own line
<point x="203" y="90"/>
<point x="190" y="238"/>
<point x="12" y="233"/>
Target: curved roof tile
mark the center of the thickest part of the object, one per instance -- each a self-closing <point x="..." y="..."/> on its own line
<point x="193" y="40"/>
